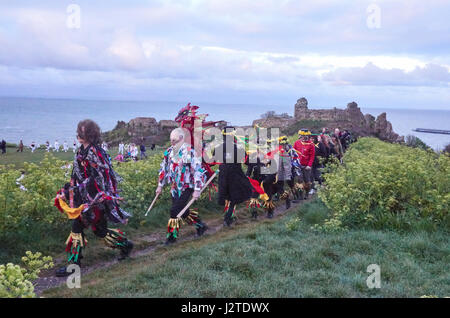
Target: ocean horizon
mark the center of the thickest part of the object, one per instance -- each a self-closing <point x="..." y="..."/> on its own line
<point x="41" y="119"/>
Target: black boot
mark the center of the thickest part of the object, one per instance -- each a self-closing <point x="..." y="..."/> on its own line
<point x="270" y="214"/>
<point x="125" y="250"/>
<point x="276" y="197"/>
<point x="254" y="214"/>
<point x="62" y="271"/>
<point x="228" y="218"/>
<point x="227" y="221"/>
<point x="170" y="240"/>
<point x="288" y="203"/>
<point x="201" y="229"/>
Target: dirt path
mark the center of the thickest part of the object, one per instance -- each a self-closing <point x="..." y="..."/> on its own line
<point x="155" y="240"/>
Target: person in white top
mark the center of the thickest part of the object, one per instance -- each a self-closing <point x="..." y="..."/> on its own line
<point x="74" y="146"/>
<point x="33" y="146"/>
<point x="56" y="146"/>
<point x="47" y="144"/>
<point x="65" y="146"/>
<point x="121" y="145"/>
<point x="105" y="146"/>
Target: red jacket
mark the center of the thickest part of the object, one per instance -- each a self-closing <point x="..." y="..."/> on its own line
<point x="306" y="151"/>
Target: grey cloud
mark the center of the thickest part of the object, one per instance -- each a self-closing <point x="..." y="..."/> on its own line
<point x="430" y="75"/>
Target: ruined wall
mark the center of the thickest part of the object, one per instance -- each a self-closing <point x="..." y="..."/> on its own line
<point x="350" y="118"/>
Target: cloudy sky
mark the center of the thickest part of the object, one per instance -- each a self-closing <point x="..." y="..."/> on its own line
<point x="378" y="53"/>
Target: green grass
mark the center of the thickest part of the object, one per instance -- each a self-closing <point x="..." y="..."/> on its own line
<point x="269" y="259"/>
<point x="18" y="158"/>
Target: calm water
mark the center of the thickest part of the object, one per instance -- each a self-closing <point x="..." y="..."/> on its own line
<point x="40" y="120"/>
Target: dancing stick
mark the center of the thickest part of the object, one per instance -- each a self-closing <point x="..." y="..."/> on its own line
<point x="151" y="205"/>
<point x="193" y="199"/>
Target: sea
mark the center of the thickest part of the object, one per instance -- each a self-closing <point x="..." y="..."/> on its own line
<point x="39" y="120"/>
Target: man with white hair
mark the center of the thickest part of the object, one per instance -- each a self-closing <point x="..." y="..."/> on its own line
<point x="182" y="169"/>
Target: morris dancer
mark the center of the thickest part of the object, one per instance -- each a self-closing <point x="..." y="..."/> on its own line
<point x="285" y="171"/>
<point x="182" y="169"/>
<point x="306" y="150"/>
<point x="92" y="198"/>
<point x="234" y="186"/>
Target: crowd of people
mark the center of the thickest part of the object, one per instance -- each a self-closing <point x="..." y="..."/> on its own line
<point x="127" y="152"/>
<point x="91" y="198"/>
<point x="33" y="146"/>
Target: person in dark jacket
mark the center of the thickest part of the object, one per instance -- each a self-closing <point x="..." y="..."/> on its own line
<point x="319" y="159"/>
<point x="234" y="186"/>
<point x="143" y="150"/>
<point x="3" y="146"/>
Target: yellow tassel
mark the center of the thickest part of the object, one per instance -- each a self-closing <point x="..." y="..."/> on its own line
<point x="269" y="205"/>
<point x="254" y="203"/>
<point x="264" y="197"/>
<point x="285" y="195"/>
<point x="175" y="223"/>
<point x="77" y="238"/>
<point x="72" y="213"/>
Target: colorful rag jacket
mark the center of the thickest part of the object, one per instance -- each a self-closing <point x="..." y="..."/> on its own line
<point x="182" y="169"/>
<point x="95" y="183"/>
<point x="295" y="159"/>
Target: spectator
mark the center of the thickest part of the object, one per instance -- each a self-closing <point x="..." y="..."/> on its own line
<point x="143" y="150"/>
<point x="20" y="149"/>
<point x="337" y="147"/>
<point x="3" y="146"/>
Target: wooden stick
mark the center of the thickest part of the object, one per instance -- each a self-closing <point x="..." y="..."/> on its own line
<point x="193" y="199"/>
<point x="151" y="205"/>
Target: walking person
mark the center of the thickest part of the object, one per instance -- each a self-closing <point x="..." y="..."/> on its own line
<point x="143" y="150"/>
<point x="234" y="186"/>
<point x="91" y="199"/>
<point x="306" y="150"/>
<point x="182" y="170"/>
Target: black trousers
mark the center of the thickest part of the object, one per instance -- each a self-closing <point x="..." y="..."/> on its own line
<point x="280" y="185"/>
<point x="269" y="185"/>
<point x="178" y="203"/>
<point x="100" y="228"/>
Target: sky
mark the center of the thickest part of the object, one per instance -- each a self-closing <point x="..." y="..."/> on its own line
<point x="390" y="54"/>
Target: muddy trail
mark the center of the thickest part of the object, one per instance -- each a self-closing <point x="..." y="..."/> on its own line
<point x="148" y="243"/>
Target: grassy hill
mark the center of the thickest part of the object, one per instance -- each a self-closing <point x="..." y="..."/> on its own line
<point x="282" y="258"/>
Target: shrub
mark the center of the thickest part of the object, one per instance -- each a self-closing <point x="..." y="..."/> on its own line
<point x="16" y="281"/>
<point x="386" y="185"/>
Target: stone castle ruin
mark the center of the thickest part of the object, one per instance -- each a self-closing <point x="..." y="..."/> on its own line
<point x="350" y="118"/>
